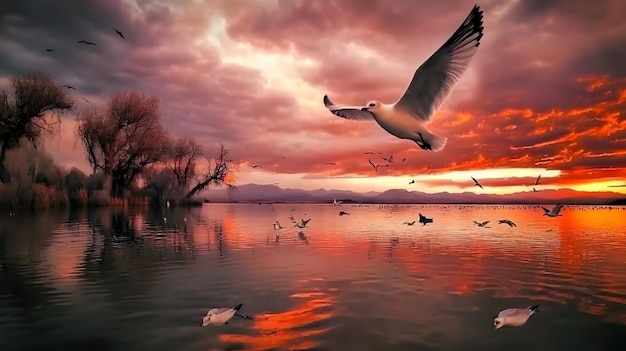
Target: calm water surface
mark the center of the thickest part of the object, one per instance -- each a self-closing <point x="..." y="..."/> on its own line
<point x="140" y="280"/>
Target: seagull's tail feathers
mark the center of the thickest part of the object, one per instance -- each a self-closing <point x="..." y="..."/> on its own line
<point x="238" y="307"/>
<point x="436" y="142"/>
<point x="534" y="308"/>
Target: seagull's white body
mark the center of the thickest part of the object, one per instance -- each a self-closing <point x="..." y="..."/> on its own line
<point x="220" y="316"/>
<point x="514" y="317"/>
<point x="432" y="82"/>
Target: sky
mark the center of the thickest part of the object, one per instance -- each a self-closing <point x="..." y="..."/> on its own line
<point x="544" y="94"/>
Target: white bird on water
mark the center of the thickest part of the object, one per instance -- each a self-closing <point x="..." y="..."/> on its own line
<point x="221" y="316"/>
<point x="431" y="84"/>
<point x="514" y="317"/>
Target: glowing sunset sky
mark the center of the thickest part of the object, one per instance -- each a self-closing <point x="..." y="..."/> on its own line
<point x="545" y="93"/>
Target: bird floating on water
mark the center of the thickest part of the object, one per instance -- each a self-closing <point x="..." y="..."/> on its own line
<point x="506" y="221"/>
<point x="555" y="211"/>
<point x="432" y="82"/>
<point x="221" y="316"/>
<point x="514" y="317"/>
<point x="277" y="225"/>
<point x="302" y="223"/>
<point x="423" y="219"/>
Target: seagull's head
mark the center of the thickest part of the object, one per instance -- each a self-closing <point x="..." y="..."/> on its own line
<point x="498" y="322"/>
<point x="372" y="106"/>
<point x="206" y="320"/>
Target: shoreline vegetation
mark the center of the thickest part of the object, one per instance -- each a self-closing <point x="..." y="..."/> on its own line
<point x="134" y="160"/>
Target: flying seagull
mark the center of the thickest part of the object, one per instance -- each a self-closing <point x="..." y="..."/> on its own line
<point x="555" y="211"/>
<point x="256" y="166"/>
<point x="331" y="163"/>
<point x="477" y="183"/>
<point x="423" y="219"/>
<point x="373" y="165"/>
<point x="412" y="181"/>
<point x="49" y="50"/>
<point x="86" y="42"/>
<point x="432" y="82"/>
<point x="86" y="100"/>
<point x="506" y="221"/>
<point x="120" y="34"/>
<point x="68" y="87"/>
<point x="368" y="153"/>
<point x="537" y="181"/>
<point x="482" y="224"/>
<point x="221" y="316"/>
<point x="388" y="159"/>
<point x="514" y="317"/>
<point x="409" y="223"/>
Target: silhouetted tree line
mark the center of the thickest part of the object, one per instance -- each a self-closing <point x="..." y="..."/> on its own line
<point x="132" y="155"/>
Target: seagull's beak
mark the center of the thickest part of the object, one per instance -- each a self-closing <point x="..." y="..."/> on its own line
<point x="365" y="108"/>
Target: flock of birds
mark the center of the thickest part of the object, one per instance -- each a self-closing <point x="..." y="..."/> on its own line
<point x="407" y="119"/>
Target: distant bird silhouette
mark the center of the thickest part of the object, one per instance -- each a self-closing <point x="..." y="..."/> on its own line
<point x="373" y="165"/>
<point x="302" y="223"/>
<point x="506" y="221"/>
<point x="388" y="159"/>
<point x="482" y="224"/>
<point x="331" y="163"/>
<point x="368" y="153"/>
<point x="423" y="219"/>
<point x="555" y="211"/>
<point x="68" y="87"/>
<point x="342" y="213"/>
<point x="86" y="100"/>
<point x="49" y="50"/>
<point x="535" y="190"/>
<point x="404" y="159"/>
<point x="256" y="166"/>
<point x="120" y="34"/>
<point x="412" y="182"/>
<point x="409" y="223"/>
<point x="86" y="42"/>
<point x="537" y="181"/>
<point x="477" y="183"/>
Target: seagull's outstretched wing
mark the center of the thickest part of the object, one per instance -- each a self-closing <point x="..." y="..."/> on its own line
<point x="348" y="112"/>
<point x="557" y="209"/>
<point x="545" y="209"/>
<point x="434" y="79"/>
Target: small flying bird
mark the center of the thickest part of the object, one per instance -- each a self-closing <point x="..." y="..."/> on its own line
<point x="86" y="42"/>
<point x="412" y="181"/>
<point x="331" y="163"/>
<point x="537" y="181"/>
<point x="368" y="153"/>
<point x="302" y="223"/>
<point x="482" y="224"/>
<point x="404" y="159"/>
<point x="514" y="317"/>
<point x="342" y="213"/>
<point x="423" y="219"/>
<point x="86" y="100"/>
<point x="409" y="223"/>
<point x="432" y="82"/>
<point x="477" y="183"/>
<point x="68" y="87"/>
<point x="49" y="50"/>
<point x="256" y="166"/>
<point x="555" y="211"/>
<point x="120" y="34"/>
<point x="221" y="316"/>
<point x="373" y="165"/>
<point x="535" y="190"/>
<point x="506" y="221"/>
<point x="388" y="159"/>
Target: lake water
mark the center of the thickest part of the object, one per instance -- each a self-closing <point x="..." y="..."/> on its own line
<point x="140" y="280"/>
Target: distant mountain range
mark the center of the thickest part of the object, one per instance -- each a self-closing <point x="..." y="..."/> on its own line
<point x="273" y="193"/>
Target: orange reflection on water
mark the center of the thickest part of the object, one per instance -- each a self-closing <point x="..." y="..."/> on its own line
<point x="290" y="329"/>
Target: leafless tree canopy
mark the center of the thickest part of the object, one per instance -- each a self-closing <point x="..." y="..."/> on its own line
<point x="23" y="111"/>
<point x="124" y="138"/>
<point x="218" y="172"/>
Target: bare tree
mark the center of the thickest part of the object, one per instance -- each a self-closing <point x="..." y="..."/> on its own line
<point x="123" y="139"/>
<point x="183" y="156"/>
<point x="24" y="111"/>
<point x="219" y="171"/>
